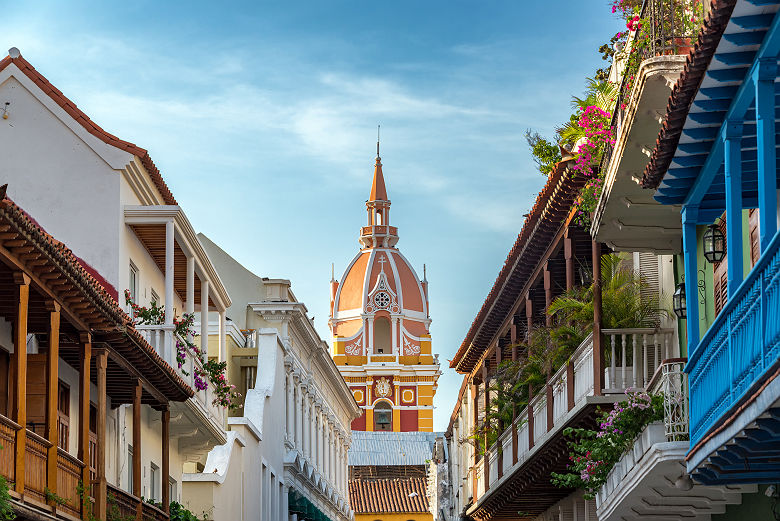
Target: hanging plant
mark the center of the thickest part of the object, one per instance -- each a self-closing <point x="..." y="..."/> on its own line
<point x="209" y="371"/>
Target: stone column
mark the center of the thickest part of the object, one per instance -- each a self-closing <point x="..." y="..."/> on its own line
<point x="289" y="410"/>
<point x="298" y="414"/>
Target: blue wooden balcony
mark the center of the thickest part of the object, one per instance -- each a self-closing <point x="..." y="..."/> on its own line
<point x="718" y="152"/>
<point x="734" y="396"/>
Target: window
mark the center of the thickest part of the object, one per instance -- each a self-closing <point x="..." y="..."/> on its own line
<point x="154" y="480"/>
<point x="383" y="417"/>
<point x="63" y="415"/>
<point x="172" y="490"/>
<point x="382" y="336"/>
<point x="132" y="283"/>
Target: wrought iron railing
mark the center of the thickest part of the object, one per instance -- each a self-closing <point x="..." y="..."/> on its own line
<point x="671" y="27"/>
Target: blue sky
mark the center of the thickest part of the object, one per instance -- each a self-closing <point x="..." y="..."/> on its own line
<point x="262" y="118"/>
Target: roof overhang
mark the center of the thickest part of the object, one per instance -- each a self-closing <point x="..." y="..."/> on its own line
<point x="627" y="217"/>
<point x="149" y="222"/>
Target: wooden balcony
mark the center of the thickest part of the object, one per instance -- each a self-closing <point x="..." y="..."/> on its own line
<point x="735" y="395"/>
<point x="514" y="473"/>
<point x="69" y="471"/>
<point x="128" y="506"/>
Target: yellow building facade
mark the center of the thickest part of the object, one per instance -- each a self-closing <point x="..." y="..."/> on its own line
<point x="380" y="324"/>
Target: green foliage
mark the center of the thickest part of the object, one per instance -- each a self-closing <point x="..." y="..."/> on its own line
<point x="598" y="93"/>
<point x="595" y="452"/>
<point x="52" y="497"/>
<point x="179" y="513"/>
<point x="6" y="510"/>
<point x="626" y="303"/>
<point x="546" y="153"/>
<point x="86" y="503"/>
<point x="113" y="513"/>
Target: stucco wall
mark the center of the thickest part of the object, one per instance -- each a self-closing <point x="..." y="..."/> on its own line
<point x="59" y="179"/>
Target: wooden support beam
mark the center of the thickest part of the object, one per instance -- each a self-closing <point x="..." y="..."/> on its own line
<point x="568" y="253"/>
<point x="547" y="293"/>
<point x="85" y="360"/>
<point x="166" y="429"/>
<point x="598" y="359"/>
<point x="486" y="459"/>
<point x="475" y="427"/>
<point x="137" y="390"/>
<point x="52" y="390"/>
<point x="101" y="488"/>
<point x="529" y="313"/>
<point x="22" y="281"/>
<point x="570" y="384"/>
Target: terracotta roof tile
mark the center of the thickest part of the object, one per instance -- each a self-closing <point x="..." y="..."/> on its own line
<point x="388" y="495"/>
<point x="86" y="280"/>
<point x="90" y="126"/>
<point x="559" y="192"/>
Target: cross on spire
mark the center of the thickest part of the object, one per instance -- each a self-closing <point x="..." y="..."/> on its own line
<point x="381" y="262"/>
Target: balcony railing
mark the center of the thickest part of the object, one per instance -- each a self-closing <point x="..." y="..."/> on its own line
<point x="156" y="336"/>
<point x="670" y="33"/>
<point x="631" y="357"/>
<point x="740" y="346"/>
<point x="127" y="505"/>
<point x="36" y="461"/>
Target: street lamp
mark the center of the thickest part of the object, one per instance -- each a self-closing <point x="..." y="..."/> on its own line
<point x="678" y="301"/>
<point x="714" y="244"/>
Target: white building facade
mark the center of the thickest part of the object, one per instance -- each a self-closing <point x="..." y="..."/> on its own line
<point x="107" y="201"/>
<point x="286" y="455"/>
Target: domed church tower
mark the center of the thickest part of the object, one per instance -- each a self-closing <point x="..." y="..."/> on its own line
<point x="380" y="321"/>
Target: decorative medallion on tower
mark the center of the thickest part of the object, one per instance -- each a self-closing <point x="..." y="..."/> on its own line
<point x="381" y="324"/>
<point x="383" y="387"/>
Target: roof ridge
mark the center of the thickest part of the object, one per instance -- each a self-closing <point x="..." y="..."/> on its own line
<point x="90" y="126"/>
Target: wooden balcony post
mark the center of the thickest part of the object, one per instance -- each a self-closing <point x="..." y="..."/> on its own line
<point x="732" y="164"/>
<point x="547" y="293"/>
<point x="137" y="390"/>
<point x="570" y="384"/>
<point x="767" y="156"/>
<point x="598" y="359"/>
<point x="529" y="314"/>
<point x="500" y="458"/>
<point x="514" y="407"/>
<point x="84" y="394"/>
<point x="549" y="405"/>
<point x="568" y="253"/>
<point x="486" y="459"/>
<point x="475" y="427"/>
<point x="52" y="388"/>
<point x="20" y="357"/>
<point x="166" y="470"/>
<point x="101" y="365"/>
<point x="530" y="419"/>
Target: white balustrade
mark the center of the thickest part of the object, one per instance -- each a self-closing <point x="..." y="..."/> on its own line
<point x="583" y="369"/>
<point x="539" y="404"/>
<point x="633" y="355"/>
<point x="156" y="336"/>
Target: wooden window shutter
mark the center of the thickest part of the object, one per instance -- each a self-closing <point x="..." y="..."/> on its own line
<point x="755" y="244"/>
<point x="720" y="275"/>
<point x="648" y="269"/>
<point x="36" y="393"/>
<point x="63" y="416"/>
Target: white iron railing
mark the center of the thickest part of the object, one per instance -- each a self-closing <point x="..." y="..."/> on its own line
<point x="633" y="355"/>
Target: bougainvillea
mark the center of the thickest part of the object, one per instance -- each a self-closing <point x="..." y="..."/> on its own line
<point x="594" y="453"/>
<point x="595" y="123"/>
<point x="208" y="371"/>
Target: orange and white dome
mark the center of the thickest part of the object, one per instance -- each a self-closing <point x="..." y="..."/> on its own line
<point x="380" y="323"/>
<point x="379" y="280"/>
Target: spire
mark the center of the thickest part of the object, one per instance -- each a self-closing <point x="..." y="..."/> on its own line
<point x="378" y="191"/>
